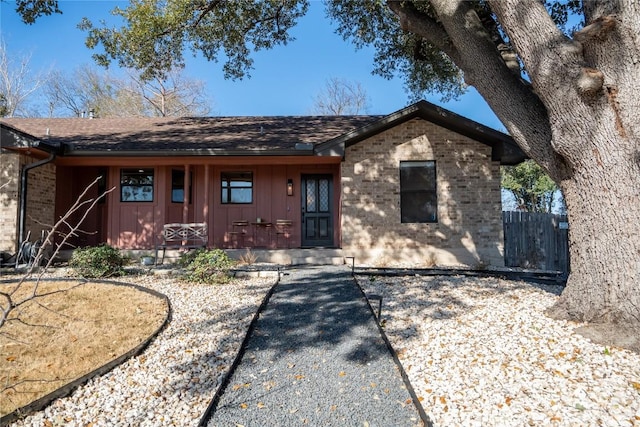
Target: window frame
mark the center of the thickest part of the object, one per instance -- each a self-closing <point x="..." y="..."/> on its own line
<point x="132" y="172"/>
<point x="227" y="187"/>
<point x="412" y="196"/>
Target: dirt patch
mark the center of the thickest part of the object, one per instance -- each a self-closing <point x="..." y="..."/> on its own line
<point x="612" y="335"/>
<point x="68" y="331"/>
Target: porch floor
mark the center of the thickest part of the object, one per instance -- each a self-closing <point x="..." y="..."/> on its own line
<point x="311" y="256"/>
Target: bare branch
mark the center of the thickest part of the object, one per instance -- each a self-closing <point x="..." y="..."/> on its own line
<point x="86" y="206"/>
<point x="340" y="97"/>
<point x="17" y="82"/>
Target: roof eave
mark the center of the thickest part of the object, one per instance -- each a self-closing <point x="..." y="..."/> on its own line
<point x="504" y="149"/>
<point x="187" y="153"/>
<point x="12" y="137"/>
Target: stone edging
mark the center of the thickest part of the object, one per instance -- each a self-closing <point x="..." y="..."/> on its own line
<point x="227" y="377"/>
<point x="426" y="421"/>
<point x="68" y="388"/>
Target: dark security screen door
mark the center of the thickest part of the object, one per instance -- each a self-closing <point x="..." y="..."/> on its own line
<point x="317" y="210"/>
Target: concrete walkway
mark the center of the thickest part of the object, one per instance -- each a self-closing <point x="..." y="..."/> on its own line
<point x="315" y="357"/>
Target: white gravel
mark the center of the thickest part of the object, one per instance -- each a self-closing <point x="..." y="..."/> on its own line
<point x="480" y="352"/>
<point x="172" y="382"/>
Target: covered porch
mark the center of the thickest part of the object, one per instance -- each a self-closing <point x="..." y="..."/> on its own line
<point x="260" y="203"/>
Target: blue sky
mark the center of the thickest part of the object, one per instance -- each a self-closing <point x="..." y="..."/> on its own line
<point x="285" y="79"/>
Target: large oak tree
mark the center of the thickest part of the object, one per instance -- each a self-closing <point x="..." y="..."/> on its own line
<point x="570" y="99"/>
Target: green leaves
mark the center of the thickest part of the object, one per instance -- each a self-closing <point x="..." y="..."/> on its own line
<point x="208" y="266"/>
<point x="397" y="52"/>
<point x="156" y="33"/>
<point x="30" y="10"/>
<point x="530" y="185"/>
<point x="97" y="261"/>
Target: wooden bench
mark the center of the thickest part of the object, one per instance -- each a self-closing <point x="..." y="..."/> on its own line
<point x="182" y="236"/>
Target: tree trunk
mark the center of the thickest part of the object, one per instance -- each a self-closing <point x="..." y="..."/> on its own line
<point x="603" y="203"/>
<point x="576" y="114"/>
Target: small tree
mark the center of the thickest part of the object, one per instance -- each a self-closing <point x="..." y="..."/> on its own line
<point x="87" y="89"/>
<point x="532" y="188"/>
<point x="3" y="105"/>
<point x="17" y="83"/>
<point x="340" y="97"/>
<point x="8" y="299"/>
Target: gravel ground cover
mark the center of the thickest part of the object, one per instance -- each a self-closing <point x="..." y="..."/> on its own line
<point x="173" y="381"/>
<point x="316" y="357"/>
<point x="480" y="352"/>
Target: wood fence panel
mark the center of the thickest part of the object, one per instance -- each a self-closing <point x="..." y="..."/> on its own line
<point x="536" y="240"/>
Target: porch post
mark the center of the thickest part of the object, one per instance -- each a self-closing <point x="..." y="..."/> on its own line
<point x="205" y="204"/>
<point x="185" y="194"/>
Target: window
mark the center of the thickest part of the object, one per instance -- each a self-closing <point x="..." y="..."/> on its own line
<point x="418" y="196"/>
<point x="177" y="186"/>
<point x="136" y="185"/>
<point x="237" y="187"/>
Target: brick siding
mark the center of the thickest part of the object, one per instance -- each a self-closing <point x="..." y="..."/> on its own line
<point x="40" y="199"/>
<point x="9" y="191"/>
<point x="469" y="227"/>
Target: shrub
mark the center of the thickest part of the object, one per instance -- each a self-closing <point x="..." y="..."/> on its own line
<point x="188" y="257"/>
<point x="97" y="261"/>
<point x="248" y="258"/>
<point x="209" y="266"/>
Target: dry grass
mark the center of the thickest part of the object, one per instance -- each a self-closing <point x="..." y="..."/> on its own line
<point x="74" y="329"/>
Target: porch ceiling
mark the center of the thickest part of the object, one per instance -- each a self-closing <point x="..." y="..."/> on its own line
<point x="196" y="160"/>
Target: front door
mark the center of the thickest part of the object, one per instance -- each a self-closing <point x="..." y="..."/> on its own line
<point x="317" y="210"/>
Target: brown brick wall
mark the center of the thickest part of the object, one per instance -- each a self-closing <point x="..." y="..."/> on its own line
<point x="469" y="227"/>
<point x="40" y="199"/>
<point x="41" y="194"/>
<point x="9" y="190"/>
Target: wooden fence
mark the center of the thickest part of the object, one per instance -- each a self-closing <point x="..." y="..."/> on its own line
<point x="536" y="240"/>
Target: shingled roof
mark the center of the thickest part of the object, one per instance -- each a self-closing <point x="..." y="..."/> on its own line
<point x="186" y="135"/>
<point x="238" y="136"/>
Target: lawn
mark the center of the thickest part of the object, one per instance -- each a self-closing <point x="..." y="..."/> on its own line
<point x="67" y="331"/>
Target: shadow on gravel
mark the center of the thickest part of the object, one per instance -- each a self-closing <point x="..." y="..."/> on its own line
<point x="311" y="309"/>
<point x="447" y="297"/>
<point x="316" y="310"/>
<point x="316" y="356"/>
<point x="185" y="375"/>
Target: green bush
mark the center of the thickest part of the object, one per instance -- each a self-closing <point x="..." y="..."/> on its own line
<point x="208" y="266"/>
<point x="97" y="261"/>
<point x="188" y="257"/>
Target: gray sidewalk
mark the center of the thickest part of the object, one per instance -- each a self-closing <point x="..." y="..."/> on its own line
<point x="316" y="357"/>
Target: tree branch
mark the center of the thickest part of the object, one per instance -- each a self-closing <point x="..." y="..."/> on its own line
<point x="208" y="8"/>
<point x="10" y="304"/>
<point x="599" y="29"/>
<point x="509" y="96"/>
<point x="421" y="24"/>
<point x="529" y="26"/>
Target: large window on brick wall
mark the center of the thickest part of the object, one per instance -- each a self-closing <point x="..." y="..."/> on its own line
<point x="418" y="192"/>
<point x="237" y="187"/>
<point x="136" y="185"/>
